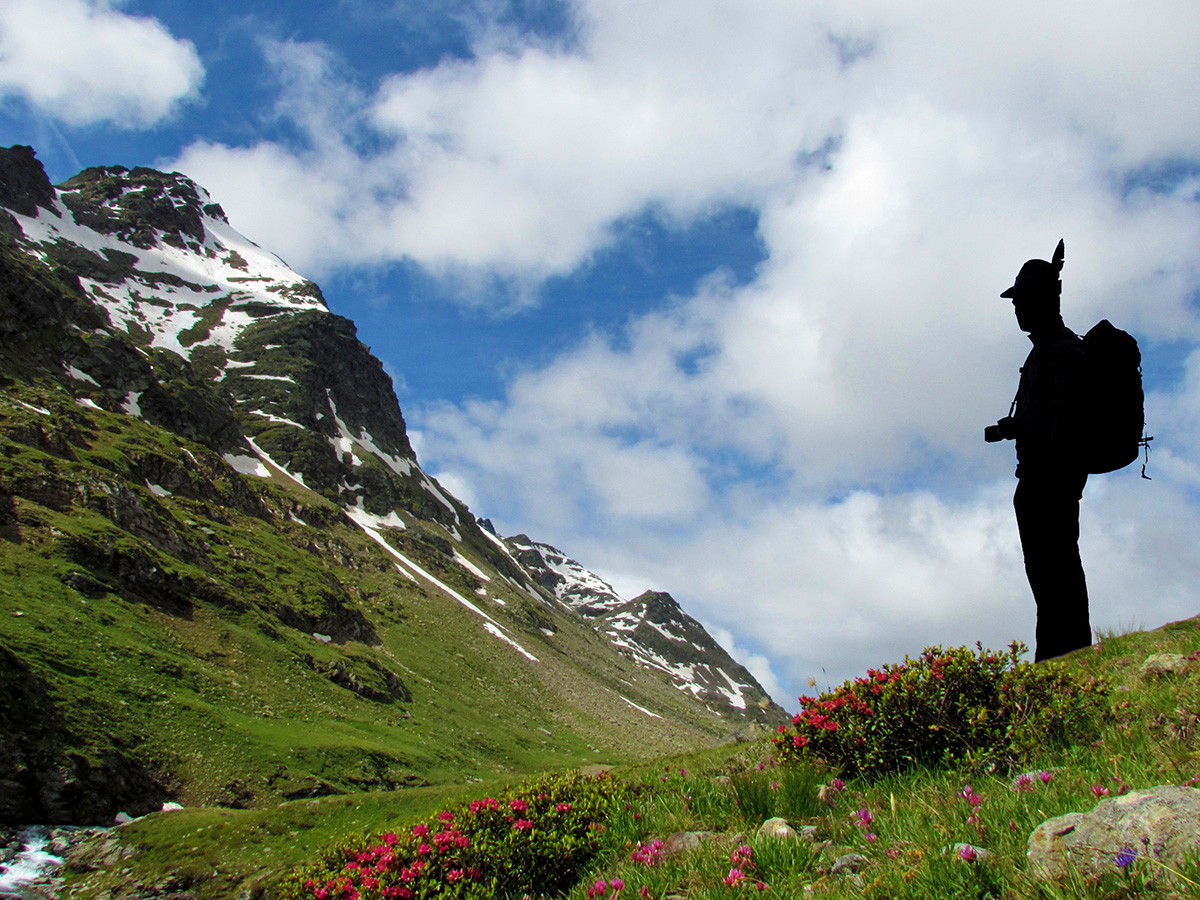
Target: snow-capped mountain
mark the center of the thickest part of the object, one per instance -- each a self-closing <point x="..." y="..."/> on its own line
<point x="652" y="629"/>
<point x="196" y="447"/>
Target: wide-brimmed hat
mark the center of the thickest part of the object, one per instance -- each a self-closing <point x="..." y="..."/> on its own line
<point x="1037" y="275"/>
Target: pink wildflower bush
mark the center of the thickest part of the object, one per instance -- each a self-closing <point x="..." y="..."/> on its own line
<point x="943" y="706"/>
<point x="538" y="836"/>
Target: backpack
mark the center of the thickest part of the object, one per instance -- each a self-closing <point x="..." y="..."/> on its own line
<point x="1114" y="413"/>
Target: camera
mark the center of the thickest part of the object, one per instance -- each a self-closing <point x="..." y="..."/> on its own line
<point x="1005" y="429"/>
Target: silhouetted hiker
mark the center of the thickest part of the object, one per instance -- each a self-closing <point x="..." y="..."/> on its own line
<point x="1045" y="420"/>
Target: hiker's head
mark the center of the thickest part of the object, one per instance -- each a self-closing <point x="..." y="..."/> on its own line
<point x="1035" y="294"/>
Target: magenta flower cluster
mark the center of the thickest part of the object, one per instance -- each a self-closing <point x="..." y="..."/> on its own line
<point x="1025" y="780"/>
<point x="537" y="836"/>
<point x="741" y="864"/>
<point x="863" y="818"/>
<point x="975" y="801"/>
<point x="647" y="854"/>
<point x="938" y="707"/>
<point x="398" y="868"/>
<point x="600" y="890"/>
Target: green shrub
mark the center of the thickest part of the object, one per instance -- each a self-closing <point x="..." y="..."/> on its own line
<point x="538" y="836"/>
<point x="944" y="706"/>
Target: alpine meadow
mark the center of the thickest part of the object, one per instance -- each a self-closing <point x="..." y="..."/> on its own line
<point x="590" y="450"/>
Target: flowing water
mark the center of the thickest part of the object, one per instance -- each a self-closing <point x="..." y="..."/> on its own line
<point x="33" y="862"/>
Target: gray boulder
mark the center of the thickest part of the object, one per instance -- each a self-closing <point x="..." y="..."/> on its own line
<point x="1158" y="665"/>
<point x="1160" y="823"/>
<point x="777" y="828"/>
<point x="682" y="842"/>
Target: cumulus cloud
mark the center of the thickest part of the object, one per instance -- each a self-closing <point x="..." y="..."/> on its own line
<point x="86" y="61"/>
<point x="798" y="459"/>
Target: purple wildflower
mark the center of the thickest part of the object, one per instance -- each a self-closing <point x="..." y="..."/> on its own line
<point x="1125" y="857"/>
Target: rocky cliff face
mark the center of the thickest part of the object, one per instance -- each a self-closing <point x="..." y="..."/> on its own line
<point x="224" y="576"/>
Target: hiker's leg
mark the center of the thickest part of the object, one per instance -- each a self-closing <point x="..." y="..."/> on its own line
<point x="1048" y="522"/>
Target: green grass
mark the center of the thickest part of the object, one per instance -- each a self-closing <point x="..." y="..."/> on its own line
<point x="917" y="817"/>
<point x="219" y="853"/>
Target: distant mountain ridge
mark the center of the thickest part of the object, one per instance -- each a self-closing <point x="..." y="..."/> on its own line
<point x="211" y="517"/>
<point x="651" y="628"/>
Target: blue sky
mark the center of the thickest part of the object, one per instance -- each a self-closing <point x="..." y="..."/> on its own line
<point x="704" y="292"/>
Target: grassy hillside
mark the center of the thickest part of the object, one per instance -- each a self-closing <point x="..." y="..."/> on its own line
<point x="908" y="830"/>
<point x="172" y="630"/>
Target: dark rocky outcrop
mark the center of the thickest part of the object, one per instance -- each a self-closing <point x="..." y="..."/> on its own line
<point x="24" y="187"/>
<point x="139" y="206"/>
<point x="42" y="779"/>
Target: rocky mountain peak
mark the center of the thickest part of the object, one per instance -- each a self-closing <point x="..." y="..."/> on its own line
<point x="660" y="606"/>
<point x="140" y="206"/>
<point x="653" y="629"/>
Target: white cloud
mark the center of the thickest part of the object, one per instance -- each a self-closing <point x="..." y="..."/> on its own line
<point x="85" y="61"/>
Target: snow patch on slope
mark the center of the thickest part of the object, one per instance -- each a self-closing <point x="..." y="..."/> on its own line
<point x="490" y="625"/>
<point x="171" y="290"/>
